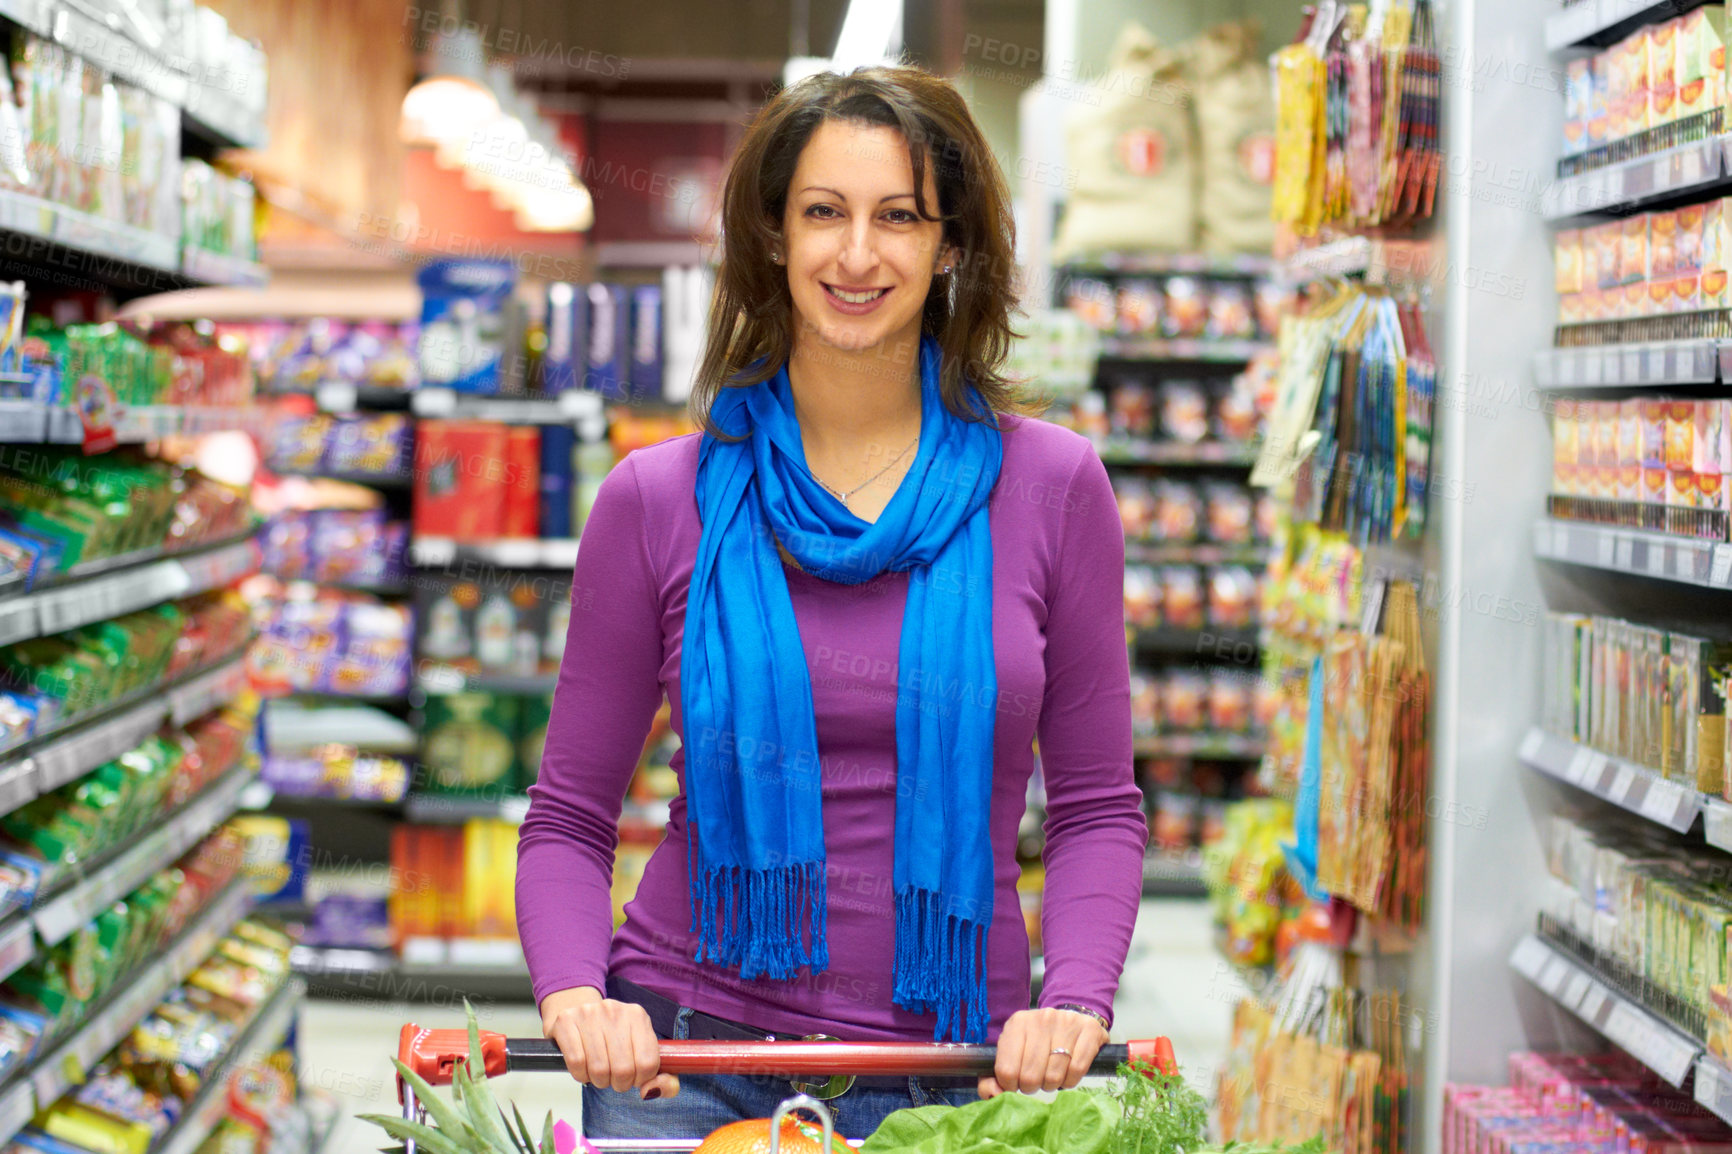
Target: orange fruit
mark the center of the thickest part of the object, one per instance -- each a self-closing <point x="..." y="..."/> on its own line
<point x="752" y="1136"/>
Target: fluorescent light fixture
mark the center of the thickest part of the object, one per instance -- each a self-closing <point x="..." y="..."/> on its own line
<point x="871" y="34"/>
<point x="455" y="98"/>
<point x="555" y="209"/>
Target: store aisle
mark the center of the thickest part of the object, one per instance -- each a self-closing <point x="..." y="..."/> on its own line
<point x="1174" y="984"/>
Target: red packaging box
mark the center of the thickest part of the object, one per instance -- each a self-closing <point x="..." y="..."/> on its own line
<point x="522" y="482"/>
<point x="460" y="474"/>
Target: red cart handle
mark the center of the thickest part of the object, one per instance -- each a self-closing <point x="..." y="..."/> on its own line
<point x="433" y="1054"/>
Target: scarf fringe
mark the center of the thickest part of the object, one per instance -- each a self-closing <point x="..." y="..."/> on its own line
<point x="940" y="966"/>
<point x="758" y="919"/>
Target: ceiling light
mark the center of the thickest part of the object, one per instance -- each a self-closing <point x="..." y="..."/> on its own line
<point x="455" y="98"/>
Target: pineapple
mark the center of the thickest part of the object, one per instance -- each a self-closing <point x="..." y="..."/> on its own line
<point x="473" y="1123"/>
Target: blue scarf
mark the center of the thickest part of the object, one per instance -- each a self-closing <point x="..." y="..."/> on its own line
<point x="754" y="810"/>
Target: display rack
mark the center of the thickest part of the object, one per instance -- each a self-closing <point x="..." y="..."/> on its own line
<point x="1157" y="349"/>
<point x="35" y="423"/>
<point x="434" y="678"/>
<point x="264" y="1035"/>
<point x="1698" y="167"/>
<point x="437" y="809"/>
<point x="1177" y="453"/>
<point x="78" y="600"/>
<point x="1633" y="366"/>
<point x="1590" y="996"/>
<point x="1638" y="789"/>
<point x="512" y="553"/>
<point x="1635" y="552"/>
<point x="567" y="408"/>
<point x="1203" y="746"/>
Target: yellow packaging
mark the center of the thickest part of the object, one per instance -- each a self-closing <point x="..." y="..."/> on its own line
<point x="1570" y="309"/>
<point x="1700" y="61"/>
<point x="1567" y="261"/>
<point x="1663" y="72"/>
<point x="1682" y="489"/>
<point x="1715" y="254"/>
<point x="1633" y="250"/>
<point x="1604" y="246"/>
<point x="1655" y="482"/>
<point x="1627" y="95"/>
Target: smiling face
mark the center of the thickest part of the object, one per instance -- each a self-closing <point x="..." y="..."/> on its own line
<point x="860" y="258"/>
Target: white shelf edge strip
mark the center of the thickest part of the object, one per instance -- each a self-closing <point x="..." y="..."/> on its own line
<point x="1578" y="989"/>
<point x="1632" y="787"/>
<point x="1637" y="552"/>
<point x="52" y="1075"/>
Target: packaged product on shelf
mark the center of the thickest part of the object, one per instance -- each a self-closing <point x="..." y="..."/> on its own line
<point x="609" y="365"/>
<point x="1179" y="514"/>
<point x="1185" y="307"/>
<point x="1138" y="306"/>
<point x="563" y="362"/>
<point x="1173" y="822"/>
<point x="646" y="342"/>
<point x="464" y="323"/>
<point x="1230" y="701"/>
<point x="459" y="484"/>
<point x="1182" y="597"/>
<point x="336" y="546"/>
<point x="1145" y="705"/>
<point x="520" y="515"/>
<point x="1229" y="514"/>
<point x="1184" y="700"/>
<point x="1700" y="65"/>
<point x="1236" y="138"/>
<point x="470" y="743"/>
<point x="1578" y="99"/>
<point x="326" y="644"/>
<point x="1184" y="411"/>
<point x="1136" y="502"/>
<point x="1098" y="304"/>
<point x="1133" y="410"/>
<point x="1232" y="597"/>
<point x="1142" y="597"/>
<point x="1662" y="72"/>
<point x="558" y="465"/>
<point x="375" y="445"/>
<point x="533" y="713"/>
<point x="336" y="771"/>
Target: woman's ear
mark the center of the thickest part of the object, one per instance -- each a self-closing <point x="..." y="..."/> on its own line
<point x="948" y="258"/>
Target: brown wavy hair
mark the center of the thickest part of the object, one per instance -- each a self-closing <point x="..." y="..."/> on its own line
<point x="968" y="311"/>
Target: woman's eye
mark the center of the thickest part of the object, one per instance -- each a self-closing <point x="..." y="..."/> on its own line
<point x="900" y="216"/>
<point x="821" y="212"/>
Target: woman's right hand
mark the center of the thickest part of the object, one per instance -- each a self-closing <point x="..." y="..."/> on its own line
<point x="606" y="1043"/>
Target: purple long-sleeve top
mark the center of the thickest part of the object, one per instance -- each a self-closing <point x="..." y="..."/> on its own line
<point x="1063" y="677"/>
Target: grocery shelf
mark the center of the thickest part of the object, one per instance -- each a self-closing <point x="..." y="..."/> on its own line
<point x="104" y="1025"/>
<point x="123" y="869"/>
<point x="1629" y="185"/>
<point x="1684" y="362"/>
<point x="342" y="398"/>
<point x="437" y="809"/>
<point x="1203" y="644"/>
<point x="37" y="423"/>
<point x="1636" y="788"/>
<point x="567" y="407"/>
<point x="438" y="679"/>
<point x="1599" y="23"/>
<point x="370" y="480"/>
<point x="69" y="603"/>
<point x="1166" y="876"/>
<point x="215" y="268"/>
<point x="1217" y="746"/>
<point x="1177" y="453"/>
<point x="507" y="553"/>
<point x="211" y="112"/>
<point x="381" y="974"/>
<point x="102" y="734"/>
<point x="262" y="1036"/>
<point x="1156" y="349"/>
<point x="1584" y="992"/>
<point x="1180" y="553"/>
<point x="1638" y="552"/>
<point x="1202" y="264"/>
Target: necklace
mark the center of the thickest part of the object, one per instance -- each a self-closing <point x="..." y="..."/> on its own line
<point x="843" y="497"/>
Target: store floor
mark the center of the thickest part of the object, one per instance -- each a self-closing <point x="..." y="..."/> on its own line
<point x="1174" y="984"/>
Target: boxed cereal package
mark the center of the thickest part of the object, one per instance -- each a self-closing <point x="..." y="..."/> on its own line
<point x="1662" y="72"/>
<point x="1699" y="61"/>
<point x="1578" y="102"/>
<point x="1715" y="253"/>
<point x="1567" y="261"/>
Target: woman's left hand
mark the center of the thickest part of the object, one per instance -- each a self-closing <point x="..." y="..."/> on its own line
<point x="1043" y="1050"/>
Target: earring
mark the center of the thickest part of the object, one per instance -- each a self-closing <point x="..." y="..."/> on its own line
<point x="775" y="256"/>
<point x="945" y="270"/>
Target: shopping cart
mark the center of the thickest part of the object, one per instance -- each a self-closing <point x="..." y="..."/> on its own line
<point x="433" y="1054"/>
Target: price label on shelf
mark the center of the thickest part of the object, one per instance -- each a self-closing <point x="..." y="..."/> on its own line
<point x="1605" y="548"/>
<point x="1720" y="570"/>
<point x="1625" y="553"/>
<point x="1577" y="770"/>
<point x="1684" y="562"/>
<point x="1656" y="559"/>
<point x="1529" y="956"/>
<point x="1621" y="784"/>
<point x="1593" y="1002"/>
<point x="1560" y="540"/>
<point x="1690" y="165"/>
<point x="1663" y="800"/>
<point x="1717" y="824"/>
<point x="1576" y="990"/>
<point x="1555" y="973"/>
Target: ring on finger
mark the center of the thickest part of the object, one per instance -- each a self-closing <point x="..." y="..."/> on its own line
<point x="1060" y="1050"/>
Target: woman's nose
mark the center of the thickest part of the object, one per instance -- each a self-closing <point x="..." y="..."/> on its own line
<point x="859" y="253"/>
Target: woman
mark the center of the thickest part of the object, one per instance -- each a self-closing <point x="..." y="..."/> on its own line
<point x="865" y="590"/>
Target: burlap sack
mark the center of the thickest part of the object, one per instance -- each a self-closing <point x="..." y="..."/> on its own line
<point x="1132" y="146"/>
<point x="1236" y="137"/>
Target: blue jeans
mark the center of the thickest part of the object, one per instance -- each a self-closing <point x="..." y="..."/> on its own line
<point x="706" y="1102"/>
